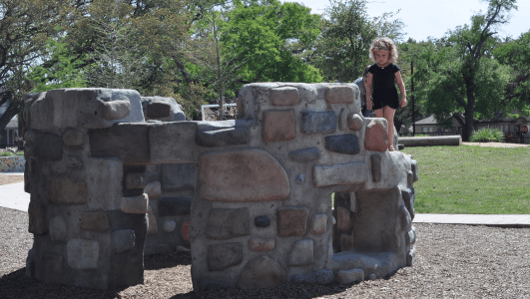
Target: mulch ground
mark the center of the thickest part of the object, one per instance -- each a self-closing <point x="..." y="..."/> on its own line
<point x="10" y="179"/>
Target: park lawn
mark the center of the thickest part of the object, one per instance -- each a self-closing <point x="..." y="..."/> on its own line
<point x="472" y="179"/>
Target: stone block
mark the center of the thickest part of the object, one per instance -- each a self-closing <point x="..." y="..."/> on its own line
<point x="169" y="225"/>
<point x="292" y="221"/>
<point x="343" y="119"/>
<point x="164" y="109"/>
<point x="115" y="110"/>
<point x="305" y="155"/>
<point x="409" y="197"/>
<point x="343" y="144"/>
<point x="58" y="229"/>
<point x="414" y="169"/>
<point x="74" y="162"/>
<point x="315" y="122"/>
<point x="134" y="204"/>
<point x="284" y="96"/>
<point x="247" y="175"/>
<point x="52" y="271"/>
<point x="355" y="122"/>
<point x="223" y="137"/>
<point x="350" y="276"/>
<point x="261" y="272"/>
<point x="170" y="142"/>
<point x="153" y="190"/>
<point x="41" y="112"/>
<point x="261" y="244"/>
<point x="128" y="142"/>
<point x="152" y="229"/>
<point x="174" y="206"/>
<point x="123" y="240"/>
<point x="405" y="218"/>
<point x="278" y="126"/>
<point x="222" y="256"/>
<point x="74" y="138"/>
<point x="65" y="190"/>
<point x="104" y="183"/>
<point x="301" y="253"/>
<point x="226" y="224"/>
<point x="136" y="180"/>
<point x="177" y="177"/>
<point x="262" y="221"/>
<point x="321" y="277"/>
<point x="346" y="242"/>
<point x="410" y="236"/>
<point x="49" y="147"/>
<point x="158" y="109"/>
<point x="37" y="219"/>
<point x="82" y="254"/>
<point x="339" y="94"/>
<point x="319" y="224"/>
<point x="340" y="174"/>
<point x="185" y="231"/>
<point x="376" y="135"/>
<point x="344" y="221"/>
<point x="95" y="221"/>
<point x="376" y="161"/>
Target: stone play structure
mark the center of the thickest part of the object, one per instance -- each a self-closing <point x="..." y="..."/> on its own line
<point x="114" y="176"/>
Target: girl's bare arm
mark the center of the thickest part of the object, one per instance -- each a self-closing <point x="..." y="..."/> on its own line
<point x="401" y="86"/>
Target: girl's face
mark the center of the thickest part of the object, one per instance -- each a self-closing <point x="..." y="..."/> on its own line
<point x="381" y="57"/>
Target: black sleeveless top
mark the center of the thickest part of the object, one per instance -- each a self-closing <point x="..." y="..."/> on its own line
<point x="384" y="92"/>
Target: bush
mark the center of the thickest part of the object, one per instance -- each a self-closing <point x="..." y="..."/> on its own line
<point x="487" y="135"/>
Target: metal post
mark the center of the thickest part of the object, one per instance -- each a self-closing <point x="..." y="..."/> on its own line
<point x="412" y="97"/>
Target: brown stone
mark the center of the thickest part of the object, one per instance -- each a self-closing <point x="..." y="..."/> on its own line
<point x="292" y="221"/>
<point x="65" y="190"/>
<point x="319" y="224"/>
<point x="242" y="176"/>
<point x="135" y="204"/>
<point x="74" y="138"/>
<point x="261" y="272"/>
<point x="355" y="122"/>
<point x="222" y="256"/>
<point x="153" y="225"/>
<point x="343" y="219"/>
<point x="284" y="96"/>
<point x="346" y="242"/>
<point x="339" y="94"/>
<point x="278" y="126"/>
<point x="261" y="244"/>
<point x="37" y="219"/>
<point x="228" y="223"/>
<point x="376" y="136"/>
<point x="95" y="221"/>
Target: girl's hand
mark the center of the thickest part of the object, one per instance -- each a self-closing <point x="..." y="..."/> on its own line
<point x="403" y="102"/>
<point x="369" y="105"/>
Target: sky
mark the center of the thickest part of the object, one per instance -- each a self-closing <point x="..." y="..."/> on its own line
<point x="424" y="18"/>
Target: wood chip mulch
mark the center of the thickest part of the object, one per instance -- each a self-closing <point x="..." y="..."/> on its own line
<point x="452" y="261"/>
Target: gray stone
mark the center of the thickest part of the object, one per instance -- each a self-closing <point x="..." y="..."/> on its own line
<point x="346" y="242"/>
<point x="153" y="190"/>
<point x="262" y="221"/>
<point x="344" y="221"/>
<point x="292" y="221"/>
<point x="410" y="236"/>
<point x="49" y="147"/>
<point x="134" y="204"/>
<point x="223" y="137"/>
<point x="372" y="276"/>
<point x="355" y="122"/>
<point x="305" y="155"/>
<point x="343" y="144"/>
<point x="405" y="218"/>
<point x="152" y="229"/>
<point x="321" y="277"/>
<point x="313" y="122"/>
<point x="169" y="225"/>
<point x="343" y="119"/>
<point x="261" y="244"/>
<point x="136" y="180"/>
<point x="210" y="284"/>
<point x="104" y="183"/>
<point x="58" y="228"/>
<point x="261" y="272"/>
<point x="30" y="264"/>
<point x="65" y="190"/>
<point x="73" y="162"/>
<point x="375" y="160"/>
<point x="177" y="177"/>
<point x="82" y="254"/>
<point x="174" y="206"/>
<point x="37" y="219"/>
<point x="350" y="276"/>
<point x="228" y="223"/>
<point x="409" y="198"/>
<point x="222" y="256"/>
<point x="414" y="169"/>
<point x="128" y="142"/>
<point x="123" y="240"/>
<point x="95" y="221"/>
<point x="170" y="142"/>
<point x="164" y="109"/>
<point x="284" y="96"/>
<point x="300" y="178"/>
<point x="74" y="138"/>
<point x="301" y="253"/>
<point x="51" y="267"/>
<point x="319" y="224"/>
<point x="41" y="112"/>
<point x="340" y="94"/>
<point x="340" y="174"/>
<point x="247" y="175"/>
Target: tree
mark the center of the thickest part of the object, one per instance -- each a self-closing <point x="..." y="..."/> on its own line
<point x="341" y="52"/>
<point x="457" y="73"/>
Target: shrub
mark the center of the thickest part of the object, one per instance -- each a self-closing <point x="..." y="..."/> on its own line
<point x="487" y="135"/>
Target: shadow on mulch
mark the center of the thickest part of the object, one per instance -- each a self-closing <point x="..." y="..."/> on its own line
<point x="167" y="260"/>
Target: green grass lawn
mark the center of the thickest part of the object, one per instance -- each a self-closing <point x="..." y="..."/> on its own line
<point x="472" y="179"/>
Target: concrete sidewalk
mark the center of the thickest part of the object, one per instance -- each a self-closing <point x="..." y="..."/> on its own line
<point x="13" y="196"/>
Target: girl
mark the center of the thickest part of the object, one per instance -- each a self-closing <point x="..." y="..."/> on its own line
<point x="380" y="85"/>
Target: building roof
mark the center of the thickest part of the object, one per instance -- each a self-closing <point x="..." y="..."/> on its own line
<point x="12" y="124"/>
<point x="430" y="120"/>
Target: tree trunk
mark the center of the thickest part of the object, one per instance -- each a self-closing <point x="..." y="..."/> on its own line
<point x="13" y="109"/>
<point x="468" y="129"/>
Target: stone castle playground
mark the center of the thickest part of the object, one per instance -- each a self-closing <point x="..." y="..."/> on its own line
<point x="114" y="176"/>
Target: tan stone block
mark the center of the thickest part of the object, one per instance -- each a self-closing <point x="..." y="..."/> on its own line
<point x="278" y="126"/>
<point x="355" y="122"/>
<point x="261" y="244"/>
<point x="284" y="96"/>
<point x="37" y="219"/>
<point x="65" y="190"/>
<point x="292" y="221"/>
<point x="343" y="219"/>
<point x="339" y="94"/>
<point x="95" y="221"/>
<point x="376" y="136"/>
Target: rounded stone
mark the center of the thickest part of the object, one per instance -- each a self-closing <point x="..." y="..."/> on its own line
<point x="262" y="221"/>
<point x="262" y="272"/>
<point x="169" y="225"/>
<point x="372" y="276"/>
<point x="355" y="122"/>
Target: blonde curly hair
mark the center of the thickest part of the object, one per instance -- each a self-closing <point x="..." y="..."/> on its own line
<point x="384" y="44"/>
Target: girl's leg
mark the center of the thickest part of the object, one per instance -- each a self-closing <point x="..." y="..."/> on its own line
<point x="388" y="113"/>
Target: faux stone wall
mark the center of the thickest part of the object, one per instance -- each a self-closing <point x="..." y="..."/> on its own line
<point x="114" y="176"/>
